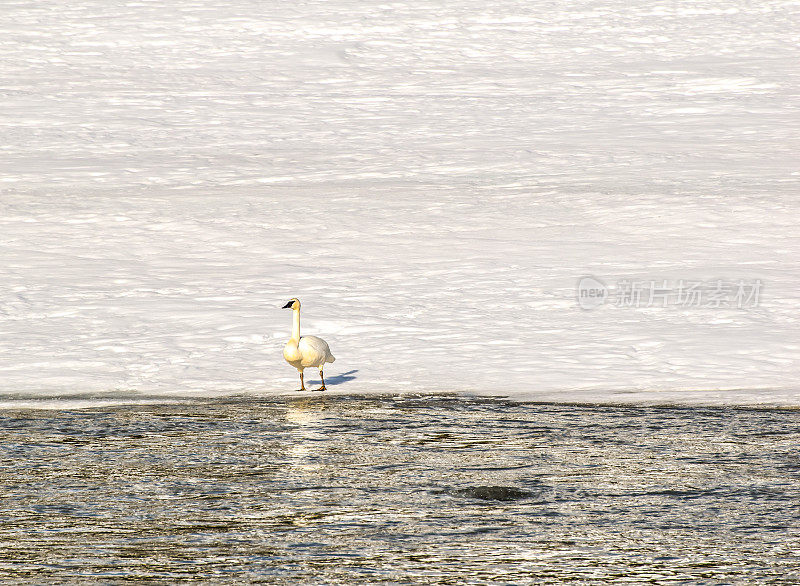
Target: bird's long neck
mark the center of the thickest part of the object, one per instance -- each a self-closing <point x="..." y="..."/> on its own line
<point x="295" y="324"/>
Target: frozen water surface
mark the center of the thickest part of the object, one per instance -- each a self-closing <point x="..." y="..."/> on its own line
<point x="430" y="179"/>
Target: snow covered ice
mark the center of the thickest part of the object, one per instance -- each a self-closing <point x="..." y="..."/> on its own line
<point x="431" y="180"/>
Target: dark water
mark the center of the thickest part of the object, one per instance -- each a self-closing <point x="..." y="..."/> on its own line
<point x="422" y="489"/>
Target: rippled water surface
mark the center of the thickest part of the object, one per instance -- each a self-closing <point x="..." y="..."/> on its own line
<point x="422" y="489"/>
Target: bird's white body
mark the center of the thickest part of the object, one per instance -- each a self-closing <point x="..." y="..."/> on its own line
<point x="305" y="351"/>
<point x="308" y="351"/>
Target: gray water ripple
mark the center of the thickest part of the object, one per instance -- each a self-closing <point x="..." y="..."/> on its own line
<point x="408" y="489"/>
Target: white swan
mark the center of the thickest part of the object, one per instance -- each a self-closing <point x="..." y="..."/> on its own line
<point x="306" y="351"/>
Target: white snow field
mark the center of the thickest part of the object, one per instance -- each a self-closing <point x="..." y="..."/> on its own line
<point x="431" y="179"/>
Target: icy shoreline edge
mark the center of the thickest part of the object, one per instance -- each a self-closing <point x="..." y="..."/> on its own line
<point x="713" y="399"/>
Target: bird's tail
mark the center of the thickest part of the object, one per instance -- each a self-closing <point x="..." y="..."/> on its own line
<point x="330" y="358"/>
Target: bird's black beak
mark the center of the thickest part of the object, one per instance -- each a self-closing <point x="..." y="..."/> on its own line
<point x="288" y="305"/>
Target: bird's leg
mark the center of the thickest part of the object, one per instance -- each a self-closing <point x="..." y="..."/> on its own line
<point x="302" y="384"/>
<point x="322" y="388"/>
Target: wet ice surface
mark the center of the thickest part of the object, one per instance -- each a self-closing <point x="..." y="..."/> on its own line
<point x="415" y="489"/>
<point x="431" y="180"/>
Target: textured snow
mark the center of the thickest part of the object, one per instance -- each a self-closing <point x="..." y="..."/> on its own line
<point x="430" y="179"/>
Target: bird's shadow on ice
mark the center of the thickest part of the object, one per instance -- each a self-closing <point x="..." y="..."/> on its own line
<point x="338" y="379"/>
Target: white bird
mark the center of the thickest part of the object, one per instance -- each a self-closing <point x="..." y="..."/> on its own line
<point x="306" y="351"/>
